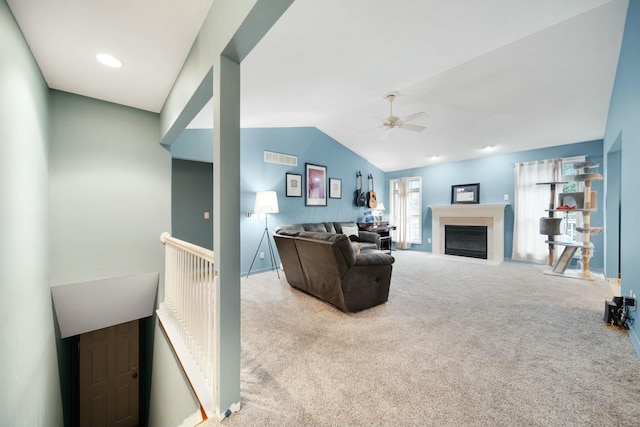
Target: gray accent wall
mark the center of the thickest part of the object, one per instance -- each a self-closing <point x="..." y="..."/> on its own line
<point x="29" y="381"/>
<point x="191" y="197"/>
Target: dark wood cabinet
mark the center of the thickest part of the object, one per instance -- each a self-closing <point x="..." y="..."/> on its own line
<point x="383" y="229"/>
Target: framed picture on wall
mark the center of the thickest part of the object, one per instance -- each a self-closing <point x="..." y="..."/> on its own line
<point x="335" y="188"/>
<point x="467" y="193"/>
<point x="316" y="190"/>
<point x="294" y="185"/>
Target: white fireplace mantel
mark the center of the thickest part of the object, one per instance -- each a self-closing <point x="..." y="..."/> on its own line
<point x="489" y="215"/>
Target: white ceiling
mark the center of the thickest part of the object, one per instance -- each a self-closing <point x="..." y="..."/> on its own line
<point x="515" y="74"/>
<point x="151" y="37"/>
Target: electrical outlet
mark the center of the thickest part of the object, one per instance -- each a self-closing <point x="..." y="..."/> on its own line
<point x="429" y="240"/>
<point x="261" y="255"/>
<point x="506" y="197"/>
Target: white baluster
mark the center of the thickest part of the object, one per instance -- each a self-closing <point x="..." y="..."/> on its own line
<point x="189" y="304"/>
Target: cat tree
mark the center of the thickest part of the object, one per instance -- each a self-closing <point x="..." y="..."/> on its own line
<point x="550" y="226"/>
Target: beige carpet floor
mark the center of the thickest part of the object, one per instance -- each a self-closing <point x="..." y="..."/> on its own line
<point x="457" y="344"/>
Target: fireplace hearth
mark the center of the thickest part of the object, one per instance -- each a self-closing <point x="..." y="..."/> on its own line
<point x="466" y="240"/>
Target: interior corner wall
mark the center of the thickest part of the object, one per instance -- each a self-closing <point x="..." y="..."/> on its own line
<point x="623" y="125"/>
<point x="110" y="184"/>
<point x="29" y="380"/>
<point x="496" y="177"/>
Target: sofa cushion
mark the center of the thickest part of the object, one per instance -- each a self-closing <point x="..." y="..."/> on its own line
<point x="342" y="242"/>
<point x="286" y="232"/>
<point x="350" y="231"/>
<point x="289" y="230"/>
<point x="339" y="225"/>
<point x="330" y="228"/>
<point x="315" y="226"/>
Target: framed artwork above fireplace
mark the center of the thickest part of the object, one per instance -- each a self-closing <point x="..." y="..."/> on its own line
<point x="465" y="194"/>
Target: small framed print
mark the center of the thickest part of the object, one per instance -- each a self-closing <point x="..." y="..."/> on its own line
<point x="467" y="193"/>
<point x="294" y="185"/>
<point x="316" y="185"/>
<point x="335" y="188"/>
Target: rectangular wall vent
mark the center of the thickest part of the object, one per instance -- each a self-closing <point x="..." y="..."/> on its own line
<point x="281" y="159"/>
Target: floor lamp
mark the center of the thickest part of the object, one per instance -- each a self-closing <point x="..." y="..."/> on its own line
<point x="266" y="203"/>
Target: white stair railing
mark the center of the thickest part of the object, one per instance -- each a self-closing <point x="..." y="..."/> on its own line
<point x="187" y="314"/>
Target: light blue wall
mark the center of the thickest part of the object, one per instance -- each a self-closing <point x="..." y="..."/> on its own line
<point x="496" y="177"/>
<point x="29" y="381"/>
<point x="623" y="135"/>
<point x="310" y="145"/>
<point x="494" y="173"/>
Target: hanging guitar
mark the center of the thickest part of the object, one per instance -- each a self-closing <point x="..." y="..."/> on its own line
<point x="360" y="199"/>
<point x="372" y="200"/>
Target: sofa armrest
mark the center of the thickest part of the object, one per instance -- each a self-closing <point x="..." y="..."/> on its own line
<point x="369" y="258"/>
<point x="369" y="237"/>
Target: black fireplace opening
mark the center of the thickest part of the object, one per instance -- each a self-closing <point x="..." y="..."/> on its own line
<point x="466" y="240"/>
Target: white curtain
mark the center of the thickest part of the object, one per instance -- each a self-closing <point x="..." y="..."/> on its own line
<point x="531" y="200"/>
<point x="404" y="230"/>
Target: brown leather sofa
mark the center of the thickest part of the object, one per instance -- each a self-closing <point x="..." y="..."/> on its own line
<point x="325" y="265"/>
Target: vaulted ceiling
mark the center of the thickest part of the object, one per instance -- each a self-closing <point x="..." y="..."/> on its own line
<point x="512" y="75"/>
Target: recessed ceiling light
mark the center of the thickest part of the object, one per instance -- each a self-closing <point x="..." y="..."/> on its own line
<point x="488" y="147"/>
<point x="109" y="60"/>
<point x="435" y="157"/>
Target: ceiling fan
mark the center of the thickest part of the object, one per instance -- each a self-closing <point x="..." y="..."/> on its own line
<point x="393" y="122"/>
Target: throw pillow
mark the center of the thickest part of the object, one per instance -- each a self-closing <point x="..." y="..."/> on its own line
<point x="354" y="238"/>
<point x="350" y="231"/>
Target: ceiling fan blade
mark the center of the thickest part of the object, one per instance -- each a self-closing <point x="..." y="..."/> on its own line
<point x="386" y="133"/>
<point x="414" y="128"/>
<point x="413" y="116"/>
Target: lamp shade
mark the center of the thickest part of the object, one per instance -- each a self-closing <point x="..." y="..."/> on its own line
<point x="380" y="207"/>
<point x="266" y="202"/>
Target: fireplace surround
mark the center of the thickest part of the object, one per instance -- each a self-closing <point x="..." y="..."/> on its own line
<point x="488" y="215"/>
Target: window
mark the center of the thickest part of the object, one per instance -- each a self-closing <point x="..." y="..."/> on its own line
<point x="414" y="211"/>
<point x="571" y="219"/>
<point x="567" y="169"/>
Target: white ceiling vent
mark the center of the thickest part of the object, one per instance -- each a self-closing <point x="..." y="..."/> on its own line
<point x="281" y="159"/>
